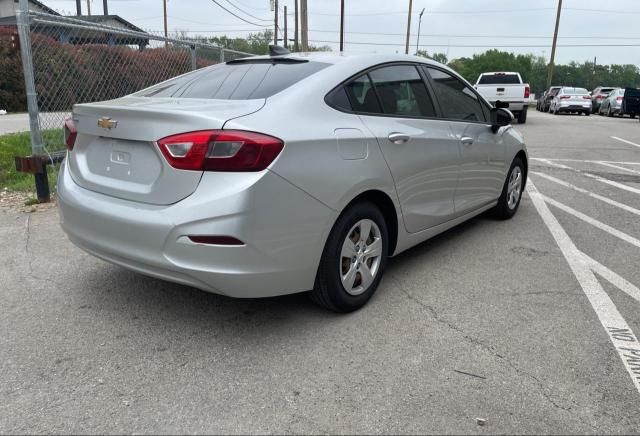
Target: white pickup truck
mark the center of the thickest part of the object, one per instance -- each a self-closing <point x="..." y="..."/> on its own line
<point x="508" y="89"/>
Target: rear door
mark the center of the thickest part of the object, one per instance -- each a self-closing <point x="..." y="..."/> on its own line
<point x="422" y="154"/>
<point x="482" y="153"/>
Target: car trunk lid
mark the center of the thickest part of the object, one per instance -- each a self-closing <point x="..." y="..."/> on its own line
<point x="116" y="153"/>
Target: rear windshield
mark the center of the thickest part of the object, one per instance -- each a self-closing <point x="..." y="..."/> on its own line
<point x="499" y="79"/>
<point x="236" y="80"/>
<point x="606" y="90"/>
<point x="575" y="91"/>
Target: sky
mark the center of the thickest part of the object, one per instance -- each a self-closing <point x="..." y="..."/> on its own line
<point x="457" y="28"/>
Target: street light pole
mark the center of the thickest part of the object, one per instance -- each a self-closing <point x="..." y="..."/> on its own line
<point x="419" y="24"/>
<point x="553" y="48"/>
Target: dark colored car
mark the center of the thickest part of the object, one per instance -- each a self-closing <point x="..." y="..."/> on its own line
<point x="547" y="97"/>
<point x="631" y="102"/>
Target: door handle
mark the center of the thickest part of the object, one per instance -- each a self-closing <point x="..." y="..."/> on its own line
<point x="466" y="140"/>
<point x="399" y="138"/>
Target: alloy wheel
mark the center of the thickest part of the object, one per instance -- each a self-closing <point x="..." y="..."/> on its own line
<point x="514" y="188"/>
<point x="360" y="257"/>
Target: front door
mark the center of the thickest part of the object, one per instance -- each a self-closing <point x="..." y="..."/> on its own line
<point x="422" y="152"/>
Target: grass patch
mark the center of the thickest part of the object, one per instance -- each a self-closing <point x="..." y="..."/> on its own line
<point x="19" y="144"/>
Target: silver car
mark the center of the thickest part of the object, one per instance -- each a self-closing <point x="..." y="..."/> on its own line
<point x="571" y="100"/>
<point x="280" y="174"/>
<point x="612" y="104"/>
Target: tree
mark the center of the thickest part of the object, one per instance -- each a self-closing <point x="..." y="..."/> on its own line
<point x="438" y="57"/>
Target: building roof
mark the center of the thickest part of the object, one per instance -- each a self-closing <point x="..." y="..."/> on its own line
<point x="103" y="18"/>
<point x="44" y="7"/>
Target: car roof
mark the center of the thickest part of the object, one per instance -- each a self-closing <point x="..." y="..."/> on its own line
<point x="336" y="58"/>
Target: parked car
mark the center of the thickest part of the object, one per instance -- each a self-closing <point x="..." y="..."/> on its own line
<point x="571" y="100"/>
<point x="631" y="102"/>
<point x="280" y="174"/>
<point x="547" y="97"/>
<point x="599" y="94"/>
<point x="508" y="89"/>
<point x="615" y="103"/>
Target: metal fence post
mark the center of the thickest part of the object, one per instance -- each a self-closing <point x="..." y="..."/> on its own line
<point x="221" y="54"/>
<point x="37" y="145"/>
<point x="194" y="58"/>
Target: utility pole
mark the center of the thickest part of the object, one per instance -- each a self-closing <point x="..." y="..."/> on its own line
<point x="295" y="32"/>
<point x="419" y="24"/>
<point x="166" y="33"/>
<point x="553" y="48"/>
<point x="286" y="42"/>
<point x="304" y="25"/>
<point x="78" y="7"/>
<point x="88" y="7"/>
<point x="341" y="26"/>
<point x="406" y="48"/>
<point x="275" y="24"/>
<point x="105" y="7"/>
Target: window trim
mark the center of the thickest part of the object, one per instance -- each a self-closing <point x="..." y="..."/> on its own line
<point x="484" y="105"/>
<point x="366" y="72"/>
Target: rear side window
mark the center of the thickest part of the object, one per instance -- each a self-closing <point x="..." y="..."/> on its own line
<point x="402" y="91"/>
<point x="362" y="95"/>
<point x="236" y="81"/>
<point x="457" y="100"/>
<point x="499" y="79"/>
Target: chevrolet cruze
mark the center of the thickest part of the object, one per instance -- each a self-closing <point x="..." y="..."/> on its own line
<point x="287" y="173"/>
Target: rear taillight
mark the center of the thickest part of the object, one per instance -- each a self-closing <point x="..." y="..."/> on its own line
<point x="586" y="97"/>
<point x="220" y="150"/>
<point x="527" y="91"/>
<point x="620" y="98"/>
<point x="565" y="97"/>
<point x="70" y="133"/>
<point x="600" y="97"/>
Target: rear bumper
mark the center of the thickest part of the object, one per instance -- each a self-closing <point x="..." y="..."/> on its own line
<point x="514" y="106"/>
<point x="573" y="107"/>
<point x="283" y="229"/>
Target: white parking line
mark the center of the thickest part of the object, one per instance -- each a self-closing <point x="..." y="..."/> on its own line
<point x="613" y="278"/>
<point x="594" y="222"/>
<point x="593" y="176"/>
<point x="610" y="165"/>
<point x="620" y="334"/>
<point x="589" y="193"/>
<point x="585" y="161"/>
<point x="625" y="141"/>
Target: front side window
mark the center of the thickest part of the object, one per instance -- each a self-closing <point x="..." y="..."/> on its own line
<point x="457" y="100"/>
<point x="402" y="91"/>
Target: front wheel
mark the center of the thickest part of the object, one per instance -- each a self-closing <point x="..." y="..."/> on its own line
<point x="353" y="259"/>
<point x="509" y="200"/>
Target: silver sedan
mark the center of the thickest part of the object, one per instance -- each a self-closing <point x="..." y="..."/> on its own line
<point x="287" y="173"/>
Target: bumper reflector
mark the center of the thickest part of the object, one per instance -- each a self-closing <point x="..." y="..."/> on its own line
<point x="215" y="240"/>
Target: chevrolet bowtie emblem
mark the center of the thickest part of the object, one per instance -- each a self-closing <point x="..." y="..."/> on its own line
<point x="107" y="123"/>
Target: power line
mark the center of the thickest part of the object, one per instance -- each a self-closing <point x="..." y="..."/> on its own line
<point x="480" y="46"/>
<point x="442" y="35"/>
<point x="498" y="11"/>
<point x="239" y="17"/>
<point x="245" y="12"/>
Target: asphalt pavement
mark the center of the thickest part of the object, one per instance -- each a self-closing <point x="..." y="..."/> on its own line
<point x="526" y="324"/>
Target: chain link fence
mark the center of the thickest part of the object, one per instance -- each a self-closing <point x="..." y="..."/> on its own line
<point x="80" y="61"/>
<point x="70" y="60"/>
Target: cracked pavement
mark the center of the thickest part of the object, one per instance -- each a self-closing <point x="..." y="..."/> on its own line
<point x="484" y="321"/>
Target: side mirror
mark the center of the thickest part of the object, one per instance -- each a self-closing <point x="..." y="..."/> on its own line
<point x="499" y="118"/>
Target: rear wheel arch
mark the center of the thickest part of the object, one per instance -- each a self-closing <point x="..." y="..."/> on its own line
<point x="525" y="163"/>
<point x="385" y="204"/>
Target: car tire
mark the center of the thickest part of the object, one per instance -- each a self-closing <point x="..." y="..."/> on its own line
<point x="337" y="272"/>
<point x="609" y="113"/>
<point x="511" y="195"/>
<point x="522" y="117"/>
<point x="632" y="115"/>
<point x="587" y="113"/>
